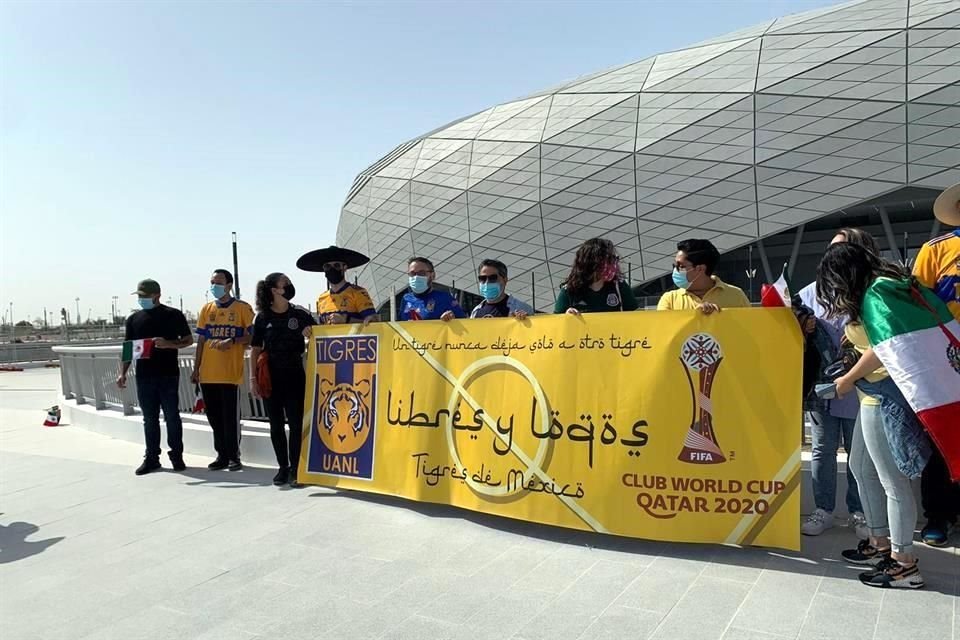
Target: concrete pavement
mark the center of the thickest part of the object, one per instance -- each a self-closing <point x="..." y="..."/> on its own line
<point x="89" y="551"/>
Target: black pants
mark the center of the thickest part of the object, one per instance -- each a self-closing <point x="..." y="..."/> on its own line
<point x="940" y="497"/>
<point x="223" y="414"/>
<point x="285" y="404"/>
<point x="154" y="394"/>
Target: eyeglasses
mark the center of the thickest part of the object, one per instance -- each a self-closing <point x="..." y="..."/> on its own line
<point x="421" y="272"/>
<point x="327" y="266"/>
<point x="491" y="278"/>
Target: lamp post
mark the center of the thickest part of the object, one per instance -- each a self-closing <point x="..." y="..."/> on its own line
<point x="13" y="332"/>
<point x="236" y="268"/>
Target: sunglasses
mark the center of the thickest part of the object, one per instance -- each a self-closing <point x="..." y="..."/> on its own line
<point x="490" y="278"/>
<point x="422" y="272"/>
<point x="334" y="265"/>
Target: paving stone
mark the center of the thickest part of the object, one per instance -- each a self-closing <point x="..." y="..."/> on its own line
<point x="705" y="610"/>
<point x="778" y="603"/>
<point x="832" y="618"/>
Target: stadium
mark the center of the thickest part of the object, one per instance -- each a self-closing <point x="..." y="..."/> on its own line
<point x="764" y="141"/>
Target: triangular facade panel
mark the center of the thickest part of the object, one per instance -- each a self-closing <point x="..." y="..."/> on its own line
<point x="739" y="137"/>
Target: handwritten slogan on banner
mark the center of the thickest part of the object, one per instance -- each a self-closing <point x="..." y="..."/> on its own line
<point x="662" y="425"/>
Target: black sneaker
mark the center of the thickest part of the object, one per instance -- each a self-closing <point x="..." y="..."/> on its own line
<point x="149" y="464"/>
<point x="936" y="533"/>
<point x="893" y="575"/>
<point x="218" y="465"/>
<point x="283" y="475"/>
<point x="293" y="478"/>
<point x="177" y="462"/>
<point x="865" y="554"/>
<point x="235" y="465"/>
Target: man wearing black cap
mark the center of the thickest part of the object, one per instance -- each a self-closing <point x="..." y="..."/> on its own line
<point x="342" y="302"/>
<point x="158" y="331"/>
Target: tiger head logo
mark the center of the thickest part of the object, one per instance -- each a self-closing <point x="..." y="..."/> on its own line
<point x="344" y="421"/>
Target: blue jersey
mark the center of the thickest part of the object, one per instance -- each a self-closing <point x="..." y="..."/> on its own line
<point x="429" y="306"/>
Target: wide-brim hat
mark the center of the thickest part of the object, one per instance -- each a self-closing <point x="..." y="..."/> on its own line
<point x="314" y="260"/>
<point x="945" y="206"/>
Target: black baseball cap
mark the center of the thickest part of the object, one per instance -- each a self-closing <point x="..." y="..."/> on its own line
<point x="147" y="288"/>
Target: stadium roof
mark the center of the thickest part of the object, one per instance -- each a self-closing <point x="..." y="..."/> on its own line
<point x="733" y="139"/>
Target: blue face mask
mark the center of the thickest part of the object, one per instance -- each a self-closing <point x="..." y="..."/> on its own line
<point x="146" y="303"/>
<point x="490" y="290"/>
<point x="680" y="279"/>
<point x="419" y="284"/>
<point x="218" y="290"/>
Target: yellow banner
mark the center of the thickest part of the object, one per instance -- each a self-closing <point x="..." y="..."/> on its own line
<point x="662" y="425"/>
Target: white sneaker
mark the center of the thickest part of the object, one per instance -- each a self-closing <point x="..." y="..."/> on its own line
<point x="816" y="523"/>
<point x="859" y="524"/>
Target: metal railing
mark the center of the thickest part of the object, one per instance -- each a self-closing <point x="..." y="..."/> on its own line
<point x="89" y="376"/>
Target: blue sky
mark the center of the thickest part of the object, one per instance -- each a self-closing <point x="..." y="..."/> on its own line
<point x="137" y="135"/>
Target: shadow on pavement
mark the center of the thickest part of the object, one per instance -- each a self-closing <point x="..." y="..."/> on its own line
<point x="247" y="477"/>
<point x="14" y="544"/>
<point x="818" y="556"/>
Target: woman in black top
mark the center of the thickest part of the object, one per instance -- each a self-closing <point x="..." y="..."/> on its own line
<point x="279" y="330"/>
<point x="595" y="282"/>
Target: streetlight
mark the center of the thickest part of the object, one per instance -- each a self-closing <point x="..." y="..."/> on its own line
<point x="751" y="270"/>
<point x="13" y="331"/>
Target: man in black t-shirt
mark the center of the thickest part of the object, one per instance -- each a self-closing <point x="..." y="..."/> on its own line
<point x="158" y="373"/>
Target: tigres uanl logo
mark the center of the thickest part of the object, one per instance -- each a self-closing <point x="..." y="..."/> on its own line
<point x="344" y="418"/>
<point x="344" y="421"/>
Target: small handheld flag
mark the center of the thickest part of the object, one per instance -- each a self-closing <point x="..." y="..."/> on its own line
<point x="137" y="350"/>
<point x="199" y="406"/>
<point x="776" y="294"/>
<point x="53" y="417"/>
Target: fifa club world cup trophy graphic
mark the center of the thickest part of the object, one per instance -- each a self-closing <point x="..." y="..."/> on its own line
<point x="701" y="354"/>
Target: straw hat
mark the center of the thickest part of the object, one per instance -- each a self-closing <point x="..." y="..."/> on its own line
<point x="947" y="206"/>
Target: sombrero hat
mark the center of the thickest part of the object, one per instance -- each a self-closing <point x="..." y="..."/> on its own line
<point x="314" y="260"/>
<point x="945" y="207"/>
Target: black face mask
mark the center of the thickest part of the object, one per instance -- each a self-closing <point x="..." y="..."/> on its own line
<point x="289" y="291"/>
<point x="334" y="276"/>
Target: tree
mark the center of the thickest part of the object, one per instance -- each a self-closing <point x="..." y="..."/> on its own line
<point x="24" y="323"/>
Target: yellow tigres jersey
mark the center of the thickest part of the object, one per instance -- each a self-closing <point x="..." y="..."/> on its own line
<point x="216" y="322"/>
<point x="938" y="267"/>
<point x="352" y="300"/>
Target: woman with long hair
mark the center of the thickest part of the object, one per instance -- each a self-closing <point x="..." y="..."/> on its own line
<point x="278" y="331"/>
<point x="889" y="446"/>
<point x="833" y="421"/>
<point x="595" y="282"/>
<point x="858" y="237"/>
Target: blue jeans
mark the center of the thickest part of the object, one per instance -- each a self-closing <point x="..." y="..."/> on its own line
<point x="889" y="505"/>
<point x="827" y="432"/>
<point x="155" y="393"/>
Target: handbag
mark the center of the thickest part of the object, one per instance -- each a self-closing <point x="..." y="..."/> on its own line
<point x="846" y="358"/>
<point x="262" y="374"/>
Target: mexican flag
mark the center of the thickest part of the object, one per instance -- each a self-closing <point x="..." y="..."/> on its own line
<point x="776" y="294"/>
<point x="136" y="350"/>
<point x="918" y="341"/>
